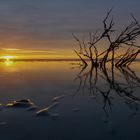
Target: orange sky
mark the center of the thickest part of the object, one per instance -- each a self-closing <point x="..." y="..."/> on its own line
<point x="37" y="54"/>
<point x="43" y="29"/>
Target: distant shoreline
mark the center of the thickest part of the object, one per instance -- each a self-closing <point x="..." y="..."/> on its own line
<point x="40" y="60"/>
<point x="43" y="60"/>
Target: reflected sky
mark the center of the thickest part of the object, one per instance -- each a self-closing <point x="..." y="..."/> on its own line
<point x="41" y="82"/>
<point x="48" y="24"/>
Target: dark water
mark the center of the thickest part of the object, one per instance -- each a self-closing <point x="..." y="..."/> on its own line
<point x="95" y="105"/>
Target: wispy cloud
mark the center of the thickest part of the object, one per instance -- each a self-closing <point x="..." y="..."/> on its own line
<point x="10" y="49"/>
<point x="45" y="24"/>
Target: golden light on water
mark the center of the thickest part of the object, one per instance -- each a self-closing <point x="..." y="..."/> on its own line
<point x="8" y="60"/>
<point x="8" y="63"/>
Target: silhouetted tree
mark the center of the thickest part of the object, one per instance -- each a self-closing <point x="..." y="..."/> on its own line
<point x="127" y="39"/>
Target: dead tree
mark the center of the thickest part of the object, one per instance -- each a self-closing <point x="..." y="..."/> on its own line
<point x="127" y="39"/>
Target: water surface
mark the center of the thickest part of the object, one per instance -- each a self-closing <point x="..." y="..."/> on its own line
<point x="96" y="104"/>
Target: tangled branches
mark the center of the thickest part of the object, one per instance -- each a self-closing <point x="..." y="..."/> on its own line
<point x="127" y="40"/>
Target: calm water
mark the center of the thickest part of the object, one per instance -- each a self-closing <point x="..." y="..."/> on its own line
<point x="96" y="104"/>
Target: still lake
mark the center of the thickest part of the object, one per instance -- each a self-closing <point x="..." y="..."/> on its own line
<point x="91" y="104"/>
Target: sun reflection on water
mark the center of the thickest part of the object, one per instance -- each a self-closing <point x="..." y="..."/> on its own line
<point x="8" y="63"/>
<point x="7" y="60"/>
<point x="9" y="66"/>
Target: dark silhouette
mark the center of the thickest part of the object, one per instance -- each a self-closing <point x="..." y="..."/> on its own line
<point x="120" y="82"/>
<point x="126" y="40"/>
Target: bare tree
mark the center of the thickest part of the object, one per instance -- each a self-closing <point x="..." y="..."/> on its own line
<point x="127" y="39"/>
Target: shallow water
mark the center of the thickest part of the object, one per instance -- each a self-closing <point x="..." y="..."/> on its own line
<point x="95" y="104"/>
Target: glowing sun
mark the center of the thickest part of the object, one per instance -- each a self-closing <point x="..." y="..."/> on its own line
<point x="7" y="57"/>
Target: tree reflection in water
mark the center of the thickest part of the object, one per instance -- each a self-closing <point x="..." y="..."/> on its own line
<point x="119" y="82"/>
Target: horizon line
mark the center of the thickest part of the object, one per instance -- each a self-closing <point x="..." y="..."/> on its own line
<point x="44" y="59"/>
<point x="40" y="59"/>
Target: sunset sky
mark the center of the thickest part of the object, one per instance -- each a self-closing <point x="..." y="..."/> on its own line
<point x="43" y="28"/>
